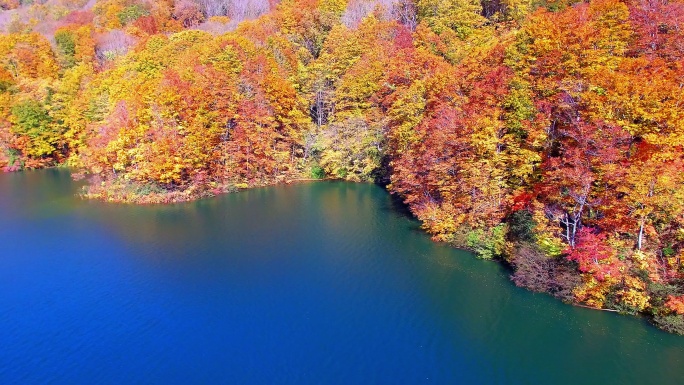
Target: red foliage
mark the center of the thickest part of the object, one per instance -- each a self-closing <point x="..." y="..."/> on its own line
<point x="403" y="38"/>
<point x="522" y="201"/>
<point x="79" y="18"/>
<point x="658" y="26"/>
<point x="594" y="255"/>
<point x="147" y="24"/>
<point x="676" y="304"/>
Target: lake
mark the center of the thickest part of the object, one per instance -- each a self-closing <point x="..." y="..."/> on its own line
<point x="314" y="283"/>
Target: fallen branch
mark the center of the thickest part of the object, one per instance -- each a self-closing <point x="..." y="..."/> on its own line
<point x="595" y="308"/>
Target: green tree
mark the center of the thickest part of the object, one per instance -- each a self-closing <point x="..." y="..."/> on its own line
<point x="31" y="119"/>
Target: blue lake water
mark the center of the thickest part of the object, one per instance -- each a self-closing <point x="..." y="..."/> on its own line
<point x="317" y="283"/>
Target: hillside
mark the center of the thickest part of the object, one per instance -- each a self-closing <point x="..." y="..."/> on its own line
<point x="548" y="134"/>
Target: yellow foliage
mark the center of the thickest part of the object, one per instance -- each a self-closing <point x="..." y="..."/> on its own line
<point x="593" y="292"/>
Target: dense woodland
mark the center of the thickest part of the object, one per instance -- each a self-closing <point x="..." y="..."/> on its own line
<point x="548" y="134"/>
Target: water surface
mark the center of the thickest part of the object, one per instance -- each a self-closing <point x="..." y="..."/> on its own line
<point x="319" y="283"/>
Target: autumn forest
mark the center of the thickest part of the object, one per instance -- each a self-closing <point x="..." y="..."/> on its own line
<point x="546" y="134"/>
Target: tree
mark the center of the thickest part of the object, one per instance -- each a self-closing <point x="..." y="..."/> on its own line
<point x="31" y="119"/>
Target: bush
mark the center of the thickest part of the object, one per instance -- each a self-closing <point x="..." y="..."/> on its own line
<point x="487" y="244"/>
<point x="533" y="270"/>
<point x="13" y="156"/>
<point x="672" y="323"/>
<point x="537" y="272"/>
<point x="146" y="189"/>
<point x="661" y="291"/>
<point x="521" y="226"/>
<point x="5" y="85"/>
<point x="342" y="172"/>
<point x="317" y="172"/>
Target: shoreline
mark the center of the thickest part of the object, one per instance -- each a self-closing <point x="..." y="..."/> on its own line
<point x="123" y="196"/>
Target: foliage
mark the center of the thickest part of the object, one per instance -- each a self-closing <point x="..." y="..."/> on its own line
<point x="32" y="120"/>
<point x="487" y="244"/>
<point x="66" y="45"/>
<point x="131" y="14"/>
<point x="671" y="323"/>
<point x="546" y="132"/>
<point x="538" y="272"/>
<point x="521" y="226"/>
<point x="317" y="172"/>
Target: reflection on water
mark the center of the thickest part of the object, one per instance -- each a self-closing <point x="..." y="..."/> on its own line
<point x="326" y="282"/>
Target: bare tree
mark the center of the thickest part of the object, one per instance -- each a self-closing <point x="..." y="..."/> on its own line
<point x="236" y="10"/>
<point x="404" y="11"/>
<point x="357" y="10"/>
<point x="240" y="10"/>
<point x="188" y="13"/>
<point x="112" y="44"/>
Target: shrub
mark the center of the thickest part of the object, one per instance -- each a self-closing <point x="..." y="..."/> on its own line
<point x="521" y="226"/>
<point x="537" y="272"/>
<point x="342" y="172"/>
<point x="317" y="172"/>
<point x="672" y="323"/>
<point x="487" y="244"/>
